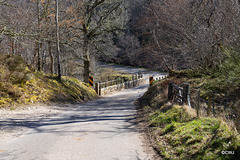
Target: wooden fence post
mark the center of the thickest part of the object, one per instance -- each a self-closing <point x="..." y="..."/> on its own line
<point x="170" y="91"/>
<point x="198" y="103"/>
<point x="97" y="88"/>
<point x="213" y="104"/>
<point x="225" y="106"/>
<point x="209" y="106"/>
<point x="186" y="90"/>
<point x="100" y="88"/>
<point x="237" y="121"/>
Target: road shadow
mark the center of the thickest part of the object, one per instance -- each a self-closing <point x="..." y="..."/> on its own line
<point x="113" y="109"/>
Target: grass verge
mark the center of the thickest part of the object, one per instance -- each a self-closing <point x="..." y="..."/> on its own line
<point x="176" y="133"/>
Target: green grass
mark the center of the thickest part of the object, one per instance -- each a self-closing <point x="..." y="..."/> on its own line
<point x="181" y="136"/>
<point x="178" y="134"/>
<point x="161" y="117"/>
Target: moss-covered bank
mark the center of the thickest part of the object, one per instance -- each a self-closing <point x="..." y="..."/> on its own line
<point x="20" y="86"/>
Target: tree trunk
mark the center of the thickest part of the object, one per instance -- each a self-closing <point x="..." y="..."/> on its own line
<point x="38" y="57"/>
<point x="86" y="59"/>
<point x="38" y="39"/>
<point x="159" y="47"/>
<point x="12" y="43"/>
<point x="51" y="57"/>
<point x="43" y="58"/>
<point x="57" y="41"/>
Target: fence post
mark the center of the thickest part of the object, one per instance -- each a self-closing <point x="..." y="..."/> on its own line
<point x="198" y="103"/>
<point x="186" y="90"/>
<point x="100" y="88"/>
<point x="97" y="88"/>
<point x="237" y="121"/>
<point x="225" y="106"/>
<point x="213" y="104"/>
<point x="170" y="91"/>
<point x="209" y="106"/>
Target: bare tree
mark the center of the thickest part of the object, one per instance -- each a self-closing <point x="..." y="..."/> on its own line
<point x="96" y="18"/>
<point x="57" y="42"/>
<point x="188" y="34"/>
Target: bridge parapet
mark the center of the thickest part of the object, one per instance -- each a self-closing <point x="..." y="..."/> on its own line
<point x="103" y="88"/>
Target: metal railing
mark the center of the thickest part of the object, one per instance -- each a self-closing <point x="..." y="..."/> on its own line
<point x="118" y="83"/>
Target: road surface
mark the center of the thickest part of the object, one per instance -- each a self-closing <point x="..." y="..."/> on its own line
<point x="146" y="73"/>
<point x="103" y="129"/>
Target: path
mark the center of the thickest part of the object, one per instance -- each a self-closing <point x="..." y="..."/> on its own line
<point x="103" y="129"/>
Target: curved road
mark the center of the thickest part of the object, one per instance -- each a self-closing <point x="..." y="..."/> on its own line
<point x="102" y="129"/>
<point x="146" y="73"/>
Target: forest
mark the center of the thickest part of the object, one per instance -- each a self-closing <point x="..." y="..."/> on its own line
<point x="162" y="35"/>
<point x="70" y="37"/>
<point x="181" y="34"/>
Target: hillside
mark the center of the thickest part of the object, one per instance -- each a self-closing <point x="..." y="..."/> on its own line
<point x="177" y="133"/>
<point x="19" y="85"/>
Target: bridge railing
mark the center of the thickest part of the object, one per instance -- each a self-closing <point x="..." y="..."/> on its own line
<point x="102" y="88"/>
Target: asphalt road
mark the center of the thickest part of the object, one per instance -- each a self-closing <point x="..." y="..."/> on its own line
<point x="103" y="129"/>
<point x="146" y="73"/>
